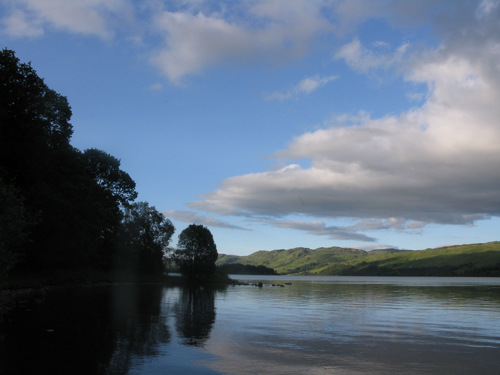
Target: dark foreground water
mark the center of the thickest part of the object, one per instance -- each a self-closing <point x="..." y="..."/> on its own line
<point x="316" y="325"/>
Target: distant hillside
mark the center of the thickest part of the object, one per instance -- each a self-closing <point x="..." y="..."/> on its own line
<point x="462" y="260"/>
<point x="294" y="261"/>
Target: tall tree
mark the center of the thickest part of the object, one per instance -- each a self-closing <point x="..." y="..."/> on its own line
<point x="105" y="170"/>
<point x="34" y="121"/>
<point x="76" y="197"/>
<point x="14" y="225"/>
<point x="36" y="157"/>
<point x="144" y="239"/>
<point x="115" y="190"/>
<point x="196" y="253"/>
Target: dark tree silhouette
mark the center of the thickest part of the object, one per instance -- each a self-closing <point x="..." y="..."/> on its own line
<point x="115" y="189"/>
<point x="196" y="253"/>
<point x="14" y="226"/>
<point x="105" y="170"/>
<point x="144" y="239"/>
<point x="74" y="197"/>
<point x="103" y="330"/>
<point x="36" y="157"/>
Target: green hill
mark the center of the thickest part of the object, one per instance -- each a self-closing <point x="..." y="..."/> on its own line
<point x="295" y="261"/>
<point x="462" y="260"/>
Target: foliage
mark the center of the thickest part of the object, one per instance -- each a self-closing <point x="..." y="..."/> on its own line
<point x="114" y="188"/>
<point x="105" y="170"/>
<point x="196" y="253"/>
<point x="14" y="225"/>
<point x="143" y="240"/>
<point x="246" y="269"/>
<point x="36" y="157"/>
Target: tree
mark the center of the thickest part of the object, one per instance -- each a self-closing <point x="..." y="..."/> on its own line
<point x="34" y="121"/>
<point x="75" y="197"/>
<point x="105" y="170"/>
<point x="196" y="253"/>
<point x="143" y="240"/>
<point x="114" y="189"/>
<point x="37" y="159"/>
<point x="14" y="224"/>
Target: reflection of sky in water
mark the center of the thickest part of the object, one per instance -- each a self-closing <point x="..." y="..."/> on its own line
<point x="388" y="327"/>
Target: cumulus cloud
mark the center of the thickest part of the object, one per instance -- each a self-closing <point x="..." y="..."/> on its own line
<point x="306" y="86"/>
<point x="193" y="217"/>
<point x="29" y="17"/>
<point x="273" y="32"/>
<point x="437" y="163"/>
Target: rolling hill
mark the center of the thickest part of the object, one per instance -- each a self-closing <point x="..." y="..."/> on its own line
<point x="462" y="260"/>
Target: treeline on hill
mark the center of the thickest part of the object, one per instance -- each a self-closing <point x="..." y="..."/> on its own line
<point x="61" y="208"/>
<point x="463" y="260"/>
<point x="246" y="269"/>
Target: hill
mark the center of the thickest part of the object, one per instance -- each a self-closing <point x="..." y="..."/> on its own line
<point x="299" y="260"/>
<point x="462" y="260"/>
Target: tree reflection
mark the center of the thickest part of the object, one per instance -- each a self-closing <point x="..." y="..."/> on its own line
<point x="84" y="331"/>
<point x="138" y="325"/>
<point x="195" y="315"/>
<point x="102" y="330"/>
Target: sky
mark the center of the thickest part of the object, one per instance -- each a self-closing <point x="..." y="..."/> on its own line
<point x="281" y="124"/>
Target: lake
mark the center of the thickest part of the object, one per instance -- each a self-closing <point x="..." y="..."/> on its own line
<point x="315" y="325"/>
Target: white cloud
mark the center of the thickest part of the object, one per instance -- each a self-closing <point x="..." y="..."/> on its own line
<point x="306" y="86"/>
<point x="272" y="32"/>
<point x="19" y="25"/>
<point x="434" y="164"/>
<point x="193" y="217"/>
<point x="28" y="17"/>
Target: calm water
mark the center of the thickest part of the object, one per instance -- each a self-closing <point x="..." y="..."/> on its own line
<point x="316" y="325"/>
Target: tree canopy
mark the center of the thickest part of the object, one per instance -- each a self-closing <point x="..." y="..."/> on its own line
<point x="105" y="170"/>
<point x="196" y="253"/>
<point x="14" y="226"/>
<point x="61" y="208"/>
<point x="144" y="237"/>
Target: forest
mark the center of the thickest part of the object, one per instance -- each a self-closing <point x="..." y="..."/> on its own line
<point x="62" y="208"/>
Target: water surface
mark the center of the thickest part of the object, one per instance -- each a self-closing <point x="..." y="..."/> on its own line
<point x="316" y="325"/>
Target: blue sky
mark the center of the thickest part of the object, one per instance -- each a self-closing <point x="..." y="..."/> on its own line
<point x="278" y="124"/>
